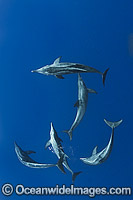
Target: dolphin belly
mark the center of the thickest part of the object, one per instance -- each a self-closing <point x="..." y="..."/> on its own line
<point x="55" y="148"/>
<point x="79" y="116"/>
<point x="38" y="165"/>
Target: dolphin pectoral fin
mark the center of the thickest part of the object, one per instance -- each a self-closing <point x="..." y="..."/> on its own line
<point x="47" y="144"/>
<point x="94" y="151"/>
<point x="60" y="139"/>
<point x="67" y="156"/>
<point x="59" y="76"/>
<point x="57" y="60"/>
<point x="29" y="152"/>
<point x="60" y="165"/>
<point x="91" y="91"/>
<point x="76" y="104"/>
<point x="74" y="175"/>
<point x="104" y="76"/>
<point x="113" y="124"/>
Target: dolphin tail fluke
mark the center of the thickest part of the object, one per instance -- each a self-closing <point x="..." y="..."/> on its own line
<point x="60" y="165"/>
<point x="69" y="133"/>
<point x="104" y="76"/>
<point x="113" y="124"/>
<point x="74" y="175"/>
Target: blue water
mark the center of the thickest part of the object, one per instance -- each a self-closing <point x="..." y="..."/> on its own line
<point x="95" y="33"/>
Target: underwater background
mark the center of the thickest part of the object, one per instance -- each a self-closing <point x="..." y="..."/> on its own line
<point x="95" y="33"/>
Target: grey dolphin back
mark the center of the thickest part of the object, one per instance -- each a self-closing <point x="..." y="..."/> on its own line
<point x="113" y="124"/>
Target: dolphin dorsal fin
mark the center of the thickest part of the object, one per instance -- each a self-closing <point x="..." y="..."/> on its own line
<point x="59" y="76"/>
<point x="57" y="60"/>
<point x="47" y="144"/>
<point x="29" y="152"/>
<point x="60" y="139"/>
<point x="76" y="104"/>
<point x="66" y="156"/>
<point x="94" y="151"/>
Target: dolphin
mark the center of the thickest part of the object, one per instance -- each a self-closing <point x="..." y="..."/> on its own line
<point x="58" y="69"/>
<point x="55" y="141"/>
<point x="81" y="104"/>
<point x="98" y="158"/>
<point x="24" y="158"/>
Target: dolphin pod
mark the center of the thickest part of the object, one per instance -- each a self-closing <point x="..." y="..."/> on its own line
<point x="59" y="69"/>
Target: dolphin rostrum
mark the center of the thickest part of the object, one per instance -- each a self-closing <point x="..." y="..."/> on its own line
<point x="55" y="141"/>
<point x="98" y="158"/>
<point x="81" y="104"/>
<point x="24" y="158"/>
<point x="58" y="69"/>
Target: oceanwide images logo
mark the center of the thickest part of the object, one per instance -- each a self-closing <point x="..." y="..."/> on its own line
<point x="7" y="190"/>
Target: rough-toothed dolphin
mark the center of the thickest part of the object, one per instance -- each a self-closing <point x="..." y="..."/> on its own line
<point x="81" y="104"/>
<point x="58" y="69"/>
<point x="55" y="141"/>
<point x="24" y="158"/>
<point x="98" y="158"/>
